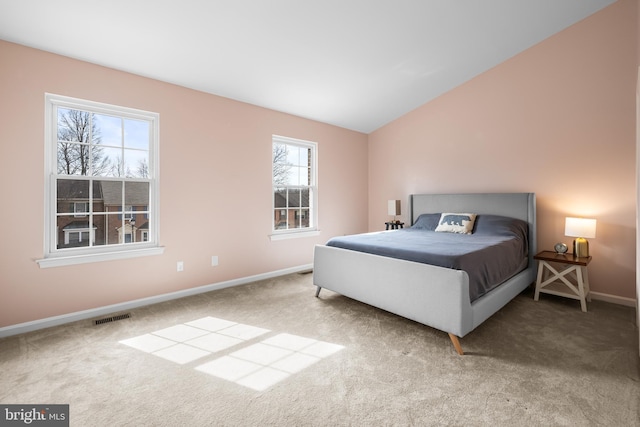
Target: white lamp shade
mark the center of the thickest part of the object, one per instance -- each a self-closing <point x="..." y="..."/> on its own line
<point x="580" y="227"/>
<point x="394" y="207"/>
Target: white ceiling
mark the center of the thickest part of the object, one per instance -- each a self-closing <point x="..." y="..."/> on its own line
<point x="358" y="64"/>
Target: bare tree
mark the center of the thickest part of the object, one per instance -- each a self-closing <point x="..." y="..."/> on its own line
<point x="143" y="169"/>
<point x="77" y="130"/>
<point x="281" y="166"/>
<point x="117" y="168"/>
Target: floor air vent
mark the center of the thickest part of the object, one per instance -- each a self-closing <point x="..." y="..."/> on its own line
<point x="112" y="319"/>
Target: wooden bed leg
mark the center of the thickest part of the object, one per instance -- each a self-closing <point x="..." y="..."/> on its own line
<point x="456" y="344"/>
<point x="318" y="291"/>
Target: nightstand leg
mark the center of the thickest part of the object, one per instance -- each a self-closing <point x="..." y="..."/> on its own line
<point x="539" y="280"/>
<point x="585" y="277"/>
<point x="581" y="292"/>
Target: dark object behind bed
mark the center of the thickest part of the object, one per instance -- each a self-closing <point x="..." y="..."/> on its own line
<point x="495" y="251"/>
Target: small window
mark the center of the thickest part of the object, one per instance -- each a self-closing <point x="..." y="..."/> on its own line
<point x="101" y="172"/>
<point x="294" y="185"/>
<point x="80" y="209"/>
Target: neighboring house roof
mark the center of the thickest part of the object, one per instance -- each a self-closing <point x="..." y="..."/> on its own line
<point x="70" y="190"/>
<point x="77" y="225"/>
<point x="294" y="199"/>
<point x="136" y="193"/>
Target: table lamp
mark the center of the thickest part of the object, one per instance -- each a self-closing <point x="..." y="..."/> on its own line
<point x="581" y="229"/>
<point x="394" y="208"/>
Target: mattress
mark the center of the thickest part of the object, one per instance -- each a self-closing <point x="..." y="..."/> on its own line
<point x="496" y="250"/>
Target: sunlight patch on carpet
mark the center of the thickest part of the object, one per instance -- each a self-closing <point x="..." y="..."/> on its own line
<point x="257" y="366"/>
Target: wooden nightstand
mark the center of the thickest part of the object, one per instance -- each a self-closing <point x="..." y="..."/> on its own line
<point x="556" y="281"/>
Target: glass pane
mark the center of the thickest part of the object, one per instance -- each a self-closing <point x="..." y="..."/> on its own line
<point x="128" y="213"/>
<point x="69" y="192"/>
<point x="294" y="198"/>
<point x="108" y="162"/>
<point x="107" y="130"/>
<point x="64" y="126"/>
<point x="304" y="218"/>
<point x="73" y="158"/>
<point x="280" y="198"/>
<point x="98" y="198"/>
<point x="280" y="219"/>
<point x="136" y="134"/>
<point x="73" y="232"/>
<point x="138" y="229"/>
<point x="280" y="166"/>
<point x="136" y="195"/>
<point x="129" y="231"/>
<point x="100" y="232"/>
<point x="109" y="196"/>
<point x="73" y="125"/>
<point x="141" y="226"/>
<point x="113" y="229"/>
<point x="296" y="218"/>
<point x="293" y="175"/>
<point x="306" y="157"/>
<point x="80" y="209"/>
<point x="293" y="156"/>
<point x="280" y="153"/>
<point x="303" y="175"/>
<point x="304" y="198"/>
<point x="304" y="166"/>
<point x="136" y="163"/>
<point x="100" y="162"/>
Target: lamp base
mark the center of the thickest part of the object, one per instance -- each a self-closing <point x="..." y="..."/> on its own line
<point x="581" y="247"/>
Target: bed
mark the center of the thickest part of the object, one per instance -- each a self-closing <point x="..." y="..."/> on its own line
<point x="436" y="296"/>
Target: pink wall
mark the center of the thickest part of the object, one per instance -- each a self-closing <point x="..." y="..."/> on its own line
<point x="215" y="157"/>
<point x="526" y="125"/>
<point x="557" y="120"/>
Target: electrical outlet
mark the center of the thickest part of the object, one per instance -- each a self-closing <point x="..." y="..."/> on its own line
<point x="180" y="266"/>
<point x="214" y="260"/>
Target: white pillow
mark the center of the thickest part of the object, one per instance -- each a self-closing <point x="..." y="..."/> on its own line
<point x="456" y="223"/>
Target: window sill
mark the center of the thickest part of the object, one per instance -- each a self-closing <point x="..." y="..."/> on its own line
<point x="59" y="261"/>
<point x="293" y="235"/>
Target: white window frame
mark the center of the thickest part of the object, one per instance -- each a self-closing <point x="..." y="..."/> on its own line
<point x="312" y="230"/>
<point x="53" y="256"/>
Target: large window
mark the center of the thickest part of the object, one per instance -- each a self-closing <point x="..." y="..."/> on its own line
<point x="102" y="176"/>
<point x="294" y="185"/>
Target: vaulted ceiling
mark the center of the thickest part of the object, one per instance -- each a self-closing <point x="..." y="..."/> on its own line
<point x="358" y="64"/>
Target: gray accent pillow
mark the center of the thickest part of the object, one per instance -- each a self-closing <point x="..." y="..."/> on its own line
<point x="427" y="222"/>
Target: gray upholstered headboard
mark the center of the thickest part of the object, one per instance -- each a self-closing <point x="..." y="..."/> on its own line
<point x="514" y="205"/>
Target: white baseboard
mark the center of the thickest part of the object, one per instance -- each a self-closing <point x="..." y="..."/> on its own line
<point x="629" y="302"/>
<point x="48" y="322"/>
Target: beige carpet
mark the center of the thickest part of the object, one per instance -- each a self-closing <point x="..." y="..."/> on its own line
<point x="532" y="364"/>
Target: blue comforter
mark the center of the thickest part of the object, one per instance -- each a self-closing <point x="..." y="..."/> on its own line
<point x="495" y="251"/>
